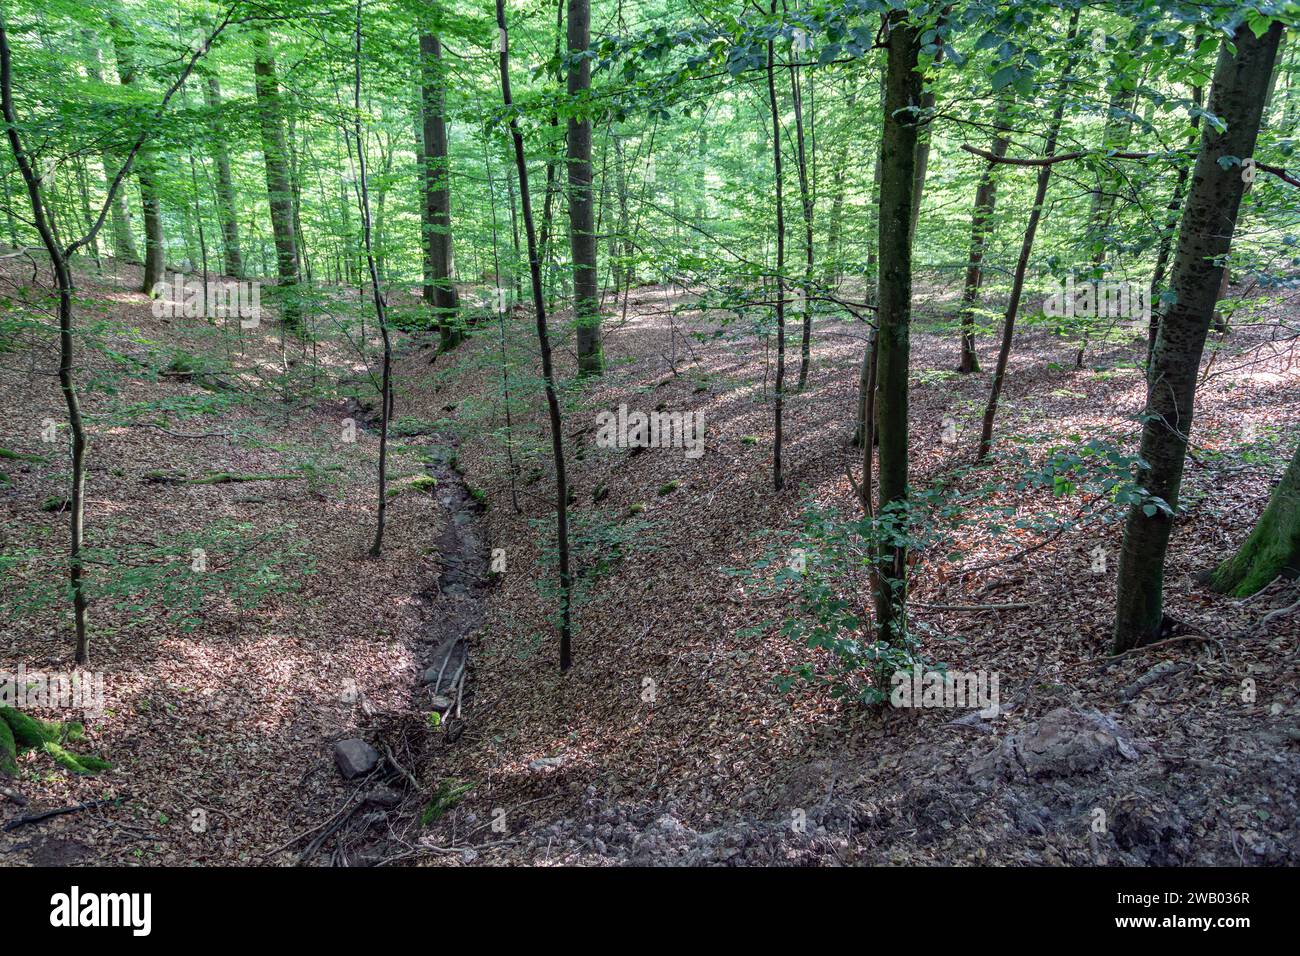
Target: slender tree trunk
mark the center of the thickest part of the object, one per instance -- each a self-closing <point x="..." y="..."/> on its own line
<point x="59" y="257"/>
<point x="1236" y="97"/>
<point x="778" y="477"/>
<point x="67" y="384"/>
<point x="553" y="157"/>
<point x="897" y="181"/>
<point x="440" y="292"/>
<point x="1026" y="247"/>
<point x="923" y="135"/>
<point x="544" y="344"/>
<point x="279" y="185"/>
<point x="226" y="208"/>
<point x="806" y="201"/>
<point x="981" y="225"/>
<point x="155" y="250"/>
<point x="381" y="311"/>
<point x="582" y="227"/>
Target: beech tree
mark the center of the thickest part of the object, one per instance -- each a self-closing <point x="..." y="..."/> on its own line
<point x="279" y="184"/>
<point x="582" y="214"/>
<point x="1237" y="97"/>
<point x="894" y="317"/>
<point x="439" y="290"/>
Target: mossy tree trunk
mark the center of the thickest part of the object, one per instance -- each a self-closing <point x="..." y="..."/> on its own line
<point x="1273" y="548"/>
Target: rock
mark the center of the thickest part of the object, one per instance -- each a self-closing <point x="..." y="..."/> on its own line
<point x="545" y="763"/>
<point x="355" y="757"/>
<point x="1063" y="743"/>
<point x="440" y="703"/>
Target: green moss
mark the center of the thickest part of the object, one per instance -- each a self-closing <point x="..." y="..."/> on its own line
<point x="748" y="440"/>
<point x="669" y="487"/>
<point x="8" y="751"/>
<point x="55" y="503"/>
<point x="424" y="483"/>
<point x="28" y="731"/>
<point x="636" y="509"/>
<point x="77" y="763"/>
<point x="21" y="456"/>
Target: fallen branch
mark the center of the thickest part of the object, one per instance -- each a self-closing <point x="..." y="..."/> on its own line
<point x="1158" y="673"/>
<point x="1020" y="605"/>
<point x="61" y="811"/>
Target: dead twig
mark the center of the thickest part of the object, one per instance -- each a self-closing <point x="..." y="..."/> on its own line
<point x="61" y="811"/>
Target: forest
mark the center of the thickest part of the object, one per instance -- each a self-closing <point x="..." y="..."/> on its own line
<point x="638" y="433"/>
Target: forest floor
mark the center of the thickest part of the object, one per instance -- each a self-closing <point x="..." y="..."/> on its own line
<point x="669" y="740"/>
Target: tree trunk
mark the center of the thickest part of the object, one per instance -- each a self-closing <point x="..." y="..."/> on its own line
<point x="279" y="185"/>
<point x="154" y="249"/>
<point x="582" y="226"/>
<point x="923" y="134"/>
<point x="1167" y="236"/>
<point x="1273" y="547"/>
<point x="439" y="291"/>
<point x="119" y="221"/>
<point x="234" y="262"/>
<point x="806" y="201"/>
<point x="1236" y="97"/>
<point x="894" y="316"/>
<point x="544" y="344"/>
<point x="1026" y="247"/>
<point x="377" y="295"/>
<point x="981" y="224"/>
<point x="778" y="478"/>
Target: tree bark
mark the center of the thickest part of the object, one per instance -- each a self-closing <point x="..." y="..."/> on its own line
<point x="1273" y="547"/>
<point x="778" y="477"/>
<point x="1209" y="220"/>
<point x="1167" y="235"/>
<point x="894" y="316"/>
<point x="439" y="290"/>
<point x="981" y="225"/>
<point x="155" y="250"/>
<point x="582" y="226"/>
<point x="806" y="201"/>
<point x="279" y="185"/>
<point x="226" y="208"/>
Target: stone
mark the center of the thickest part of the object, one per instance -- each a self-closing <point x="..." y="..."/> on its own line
<point x="545" y="763"/>
<point x="1063" y="743"/>
<point x="355" y="757"/>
